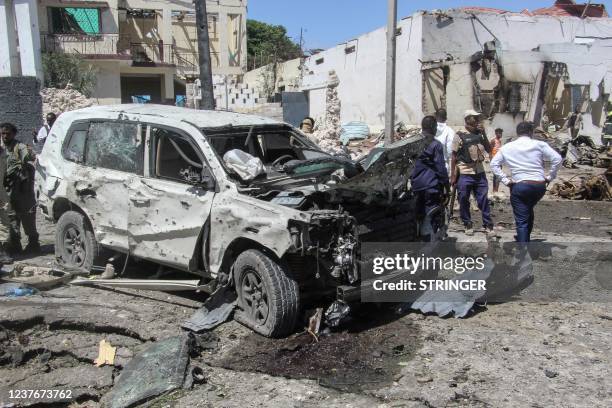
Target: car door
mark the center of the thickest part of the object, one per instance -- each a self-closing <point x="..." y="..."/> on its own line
<point x="107" y="154"/>
<point x="169" y="207"/>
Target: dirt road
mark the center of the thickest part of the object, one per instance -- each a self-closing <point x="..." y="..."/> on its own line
<point x="552" y="352"/>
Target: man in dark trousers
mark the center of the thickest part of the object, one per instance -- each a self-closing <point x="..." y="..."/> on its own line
<point x="468" y="172"/>
<point x="429" y="178"/>
<point x="19" y="182"/>
<point x="525" y="159"/>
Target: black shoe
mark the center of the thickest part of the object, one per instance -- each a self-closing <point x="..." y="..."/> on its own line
<point x="32" y="248"/>
<point x="14" y="247"/>
<point x="5" y="258"/>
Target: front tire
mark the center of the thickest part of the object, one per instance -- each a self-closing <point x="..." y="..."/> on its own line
<point x="75" y="243"/>
<point x="268" y="298"/>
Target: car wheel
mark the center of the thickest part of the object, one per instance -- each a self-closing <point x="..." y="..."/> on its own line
<point x="75" y="242"/>
<point x="268" y="298"/>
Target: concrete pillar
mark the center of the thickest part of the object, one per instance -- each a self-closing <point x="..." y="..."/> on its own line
<point x="168" y="90"/>
<point x="223" y="41"/>
<point x="26" y="15"/>
<point x="9" y="59"/>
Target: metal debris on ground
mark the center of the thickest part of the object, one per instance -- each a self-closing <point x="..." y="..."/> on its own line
<point x="314" y="323"/>
<point x="595" y="188"/>
<point x="217" y="309"/>
<point x="106" y="354"/>
<point x="38" y="277"/>
<point x="160" y="368"/>
<point x="337" y="313"/>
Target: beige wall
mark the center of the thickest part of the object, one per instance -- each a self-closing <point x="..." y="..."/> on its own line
<point x="108" y="85"/>
<point x="288" y="76"/>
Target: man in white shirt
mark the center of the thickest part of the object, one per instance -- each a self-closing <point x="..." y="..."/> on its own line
<point x="525" y="157"/>
<point x="445" y="135"/>
<point x="44" y="131"/>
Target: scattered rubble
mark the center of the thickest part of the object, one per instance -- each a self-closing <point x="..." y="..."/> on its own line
<point x="64" y="100"/>
<point x="585" y="188"/>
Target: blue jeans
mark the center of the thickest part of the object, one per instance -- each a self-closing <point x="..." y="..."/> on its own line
<point x="479" y="185"/>
<point x="524" y="197"/>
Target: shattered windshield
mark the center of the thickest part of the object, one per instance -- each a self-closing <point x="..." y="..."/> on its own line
<point x="272" y="144"/>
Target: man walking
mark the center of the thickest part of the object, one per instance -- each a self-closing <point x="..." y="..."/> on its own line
<point x="468" y="173"/>
<point x="525" y="158"/>
<point x="19" y="182"/>
<point x="429" y="178"/>
<point x="445" y="135"/>
<point x="496" y="144"/>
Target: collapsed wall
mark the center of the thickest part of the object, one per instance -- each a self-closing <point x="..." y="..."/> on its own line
<point x="327" y="131"/>
<point x="63" y="100"/>
<point x="21" y="105"/>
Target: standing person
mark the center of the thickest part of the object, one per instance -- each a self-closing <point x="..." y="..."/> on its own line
<point x="44" y="131"/>
<point x="429" y="178"/>
<point x="19" y="182"/>
<point x="496" y="144"/>
<point x="525" y="157"/>
<point x="468" y="173"/>
<point x="445" y="135"/>
<point x="5" y="222"/>
<point x="307" y="125"/>
<point x="574" y="122"/>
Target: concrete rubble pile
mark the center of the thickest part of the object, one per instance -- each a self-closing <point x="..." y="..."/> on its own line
<point x="64" y="100"/>
<point x="585" y="188"/>
<point x="327" y="131"/>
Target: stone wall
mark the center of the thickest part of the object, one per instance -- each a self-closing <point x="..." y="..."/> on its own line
<point x="21" y="104"/>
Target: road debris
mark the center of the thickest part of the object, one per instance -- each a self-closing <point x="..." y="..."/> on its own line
<point x="160" y="368"/>
<point x="217" y="309"/>
<point x="106" y="354"/>
<point x="584" y="188"/>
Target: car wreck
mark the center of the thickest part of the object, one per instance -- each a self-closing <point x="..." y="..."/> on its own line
<point x="233" y="199"/>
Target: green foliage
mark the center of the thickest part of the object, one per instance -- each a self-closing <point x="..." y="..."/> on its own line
<point x="61" y="69"/>
<point x="267" y="44"/>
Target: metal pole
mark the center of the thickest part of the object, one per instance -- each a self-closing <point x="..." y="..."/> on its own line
<point x="390" y="86"/>
<point x="226" y="95"/>
<point x="208" y="98"/>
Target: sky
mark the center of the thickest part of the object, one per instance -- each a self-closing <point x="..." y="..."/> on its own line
<point x="327" y="23"/>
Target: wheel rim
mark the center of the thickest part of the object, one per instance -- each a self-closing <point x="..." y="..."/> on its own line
<point x="74" y="246"/>
<point x="254" y="296"/>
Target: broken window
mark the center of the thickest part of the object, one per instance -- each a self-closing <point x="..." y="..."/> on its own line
<point x="434" y="88"/>
<point x="75" y="148"/>
<point x="268" y="143"/>
<point x="175" y="157"/>
<point x="72" y="20"/>
<point x="115" y="146"/>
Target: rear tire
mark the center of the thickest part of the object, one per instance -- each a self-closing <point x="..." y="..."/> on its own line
<point x="75" y="243"/>
<point x="268" y="298"/>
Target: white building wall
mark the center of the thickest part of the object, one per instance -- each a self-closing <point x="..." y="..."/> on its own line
<point x="362" y="76"/>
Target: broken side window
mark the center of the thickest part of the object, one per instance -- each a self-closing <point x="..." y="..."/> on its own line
<point x="115" y="146"/>
<point x="175" y="157"/>
<point x="75" y="149"/>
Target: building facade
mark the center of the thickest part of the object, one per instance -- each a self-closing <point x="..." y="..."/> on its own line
<point x="143" y="50"/>
<point x="510" y="66"/>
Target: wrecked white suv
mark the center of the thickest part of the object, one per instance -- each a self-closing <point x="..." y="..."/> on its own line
<point x="151" y="182"/>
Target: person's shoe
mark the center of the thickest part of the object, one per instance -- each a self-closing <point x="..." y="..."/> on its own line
<point x="32" y="247"/>
<point x="469" y="229"/>
<point x="490" y="231"/>
<point x="14" y="247"/>
<point x="5" y="258"/>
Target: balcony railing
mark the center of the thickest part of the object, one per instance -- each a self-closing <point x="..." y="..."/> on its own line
<point x="152" y="53"/>
<point x="84" y="44"/>
<point x="188" y="62"/>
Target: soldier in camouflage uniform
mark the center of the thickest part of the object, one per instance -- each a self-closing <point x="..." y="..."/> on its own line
<point x="5" y="223"/>
<point x="19" y="182"/>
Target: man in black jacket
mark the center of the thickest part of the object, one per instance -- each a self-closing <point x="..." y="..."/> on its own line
<point x="429" y="178"/>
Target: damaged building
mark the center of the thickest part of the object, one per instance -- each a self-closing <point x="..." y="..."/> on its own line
<point x="512" y="66"/>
